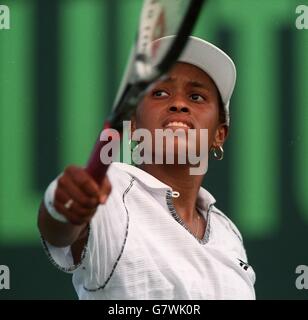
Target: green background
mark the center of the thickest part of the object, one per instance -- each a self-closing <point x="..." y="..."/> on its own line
<point x="60" y="65"/>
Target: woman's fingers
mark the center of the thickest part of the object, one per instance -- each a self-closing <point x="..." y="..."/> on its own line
<point x="78" y="195"/>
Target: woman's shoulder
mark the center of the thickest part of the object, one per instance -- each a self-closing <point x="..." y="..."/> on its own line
<point x="118" y="176"/>
<point x="227" y="222"/>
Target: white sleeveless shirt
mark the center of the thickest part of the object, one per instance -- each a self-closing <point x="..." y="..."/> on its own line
<point x="139" y="248"/>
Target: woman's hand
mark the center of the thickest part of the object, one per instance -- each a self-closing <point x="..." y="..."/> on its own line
<point x="78" y="195"/>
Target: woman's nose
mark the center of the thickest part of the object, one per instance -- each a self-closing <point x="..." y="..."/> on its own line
<point x="175" y="108"/>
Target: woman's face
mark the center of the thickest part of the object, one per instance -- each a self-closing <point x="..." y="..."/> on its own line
<point x="187" y="95"/>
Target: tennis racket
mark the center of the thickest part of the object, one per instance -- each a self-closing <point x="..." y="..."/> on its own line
<point x="158" y="18"/>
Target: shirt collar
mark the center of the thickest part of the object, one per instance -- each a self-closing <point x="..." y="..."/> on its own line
<point x="205" y="199"/>
<point x="141" y="175"/>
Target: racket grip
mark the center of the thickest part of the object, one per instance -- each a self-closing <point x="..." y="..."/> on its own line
<point x="95" y="167"/>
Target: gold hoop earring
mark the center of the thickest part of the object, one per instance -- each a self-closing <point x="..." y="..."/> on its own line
<point x="218" y="153"/>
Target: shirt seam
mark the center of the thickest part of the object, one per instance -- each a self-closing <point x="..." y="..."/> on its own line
<point x="72" y="268"/>
<point x="123" y="245"/>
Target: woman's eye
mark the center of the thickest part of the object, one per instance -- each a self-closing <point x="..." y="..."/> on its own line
<point x="197" y="97"/>
<point x="160" y="93"/>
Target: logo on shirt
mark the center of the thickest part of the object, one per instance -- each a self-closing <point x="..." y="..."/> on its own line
<point x="4" y="278"/>
<point x="243" y="264"/>
<point x="4" y="17"/>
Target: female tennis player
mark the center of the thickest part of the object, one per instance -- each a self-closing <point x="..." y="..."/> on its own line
<point x="151" y="231"/>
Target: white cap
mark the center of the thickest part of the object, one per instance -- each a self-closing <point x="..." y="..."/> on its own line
<point x="209" y="58"/>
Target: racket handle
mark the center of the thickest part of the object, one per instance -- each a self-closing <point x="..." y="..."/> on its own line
<point x="95" y="167"/>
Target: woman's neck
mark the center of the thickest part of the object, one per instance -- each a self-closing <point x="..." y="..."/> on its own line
<point x="178" y="177"/>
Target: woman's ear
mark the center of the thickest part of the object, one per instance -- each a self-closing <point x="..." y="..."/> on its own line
<point x="220" y="135"/>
